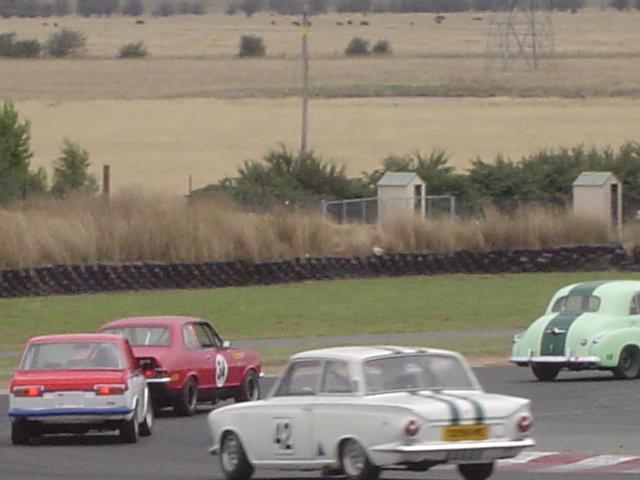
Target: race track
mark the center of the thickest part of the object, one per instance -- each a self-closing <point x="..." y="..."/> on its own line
<point x="586" y="427"/>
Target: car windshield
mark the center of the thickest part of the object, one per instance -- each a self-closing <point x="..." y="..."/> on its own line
<point x="72" y="355"/>
<point x="416" y="372"/>
<point x="576" y="304"/>
<point x="143" y="336"/>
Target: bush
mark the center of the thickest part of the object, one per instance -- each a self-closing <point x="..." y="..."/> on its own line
<point x="251" y="46"/>
<point x="18" y="49"/>
<point x="133" y="8"/>
<point x="382" y="47"/>
<point x="164" y="9"/>
<point x="65" y="42"/>
<point x="133" y="50"/>
<point x="357" y="46"/>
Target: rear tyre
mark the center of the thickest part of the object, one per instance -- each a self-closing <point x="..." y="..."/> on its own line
<point x="186" y="402"/>
<point x="146" y="426"/>
<point x="233" y="459"/>
<point x="130" y="430"/>
<point x="628" y="364"/>
<point x="249" y="390"/>
<point x="20" y="432"/>
<point x="355" y="462"/>
<point x="545" y="372"/>
<point x="476" y="471"/>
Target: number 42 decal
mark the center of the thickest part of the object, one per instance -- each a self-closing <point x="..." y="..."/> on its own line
<point x="282" y="435"/>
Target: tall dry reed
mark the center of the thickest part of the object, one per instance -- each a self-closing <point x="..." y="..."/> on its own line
<point x="132" y="227"/>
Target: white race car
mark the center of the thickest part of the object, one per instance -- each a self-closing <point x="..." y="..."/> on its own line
<point x="357" y="410"/>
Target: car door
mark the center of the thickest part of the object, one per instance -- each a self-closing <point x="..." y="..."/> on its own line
<point x="227" y="363"/>
<point x="286" y="424"/>
<point x="201" y="352"/>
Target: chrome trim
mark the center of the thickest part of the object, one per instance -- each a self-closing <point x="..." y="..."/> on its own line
<point x="158" y="380"/>
<point x="455" y="446"/>
<point x="575" y="359"/>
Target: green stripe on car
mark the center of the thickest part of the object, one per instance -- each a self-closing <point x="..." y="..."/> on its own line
<point x="555" y="332"/>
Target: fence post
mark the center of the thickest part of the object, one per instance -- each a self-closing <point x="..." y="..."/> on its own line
<point x="106" y="180"/>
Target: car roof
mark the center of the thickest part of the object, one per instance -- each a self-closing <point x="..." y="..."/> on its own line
<point x="365" y="352"/>
<point x="604" y="287"/>
<point x="166" y="320"/>
<point x="76" y="337"/>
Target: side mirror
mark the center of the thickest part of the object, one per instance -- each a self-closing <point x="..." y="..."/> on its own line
<point x="226" y="344"/>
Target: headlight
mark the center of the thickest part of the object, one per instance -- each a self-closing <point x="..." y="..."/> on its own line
<point x="517" y="337"/>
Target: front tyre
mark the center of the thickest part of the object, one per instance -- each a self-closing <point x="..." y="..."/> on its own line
<point x="355" y="462"/>
<point x="545" y="372"/>
<point x="233" y="459"/>
<point x="249" y="390"/>
<point x="628" y="364"/>
<point x="476" y="471"/>
<point x="187" y="399"/>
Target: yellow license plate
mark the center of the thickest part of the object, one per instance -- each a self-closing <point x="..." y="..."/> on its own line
<point x="456" y="433"/>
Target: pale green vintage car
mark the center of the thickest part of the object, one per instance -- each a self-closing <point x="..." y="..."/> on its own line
<point x="590" y="325"/>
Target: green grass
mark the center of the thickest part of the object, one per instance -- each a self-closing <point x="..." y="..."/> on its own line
<point x="407" y="304"/>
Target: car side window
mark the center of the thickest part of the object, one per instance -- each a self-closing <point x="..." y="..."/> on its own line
<point x="634" y="308"/>
<point x="217" y="341"/>
<point x="202" y="337"/>
<point x="336" y="378"/>
<point x="190" y="338"/>
<point x="301" y="378"/>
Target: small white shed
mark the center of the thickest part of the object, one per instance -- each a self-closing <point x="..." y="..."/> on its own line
<point x="599" y="194"/>
<point x="400" y="192"/>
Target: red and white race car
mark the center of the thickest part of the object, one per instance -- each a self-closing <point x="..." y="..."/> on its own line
<point x="74" y="383"/>
<point x="185" y="361"/>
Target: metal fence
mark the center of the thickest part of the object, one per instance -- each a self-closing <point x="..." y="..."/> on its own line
<point x="375" y="209"/>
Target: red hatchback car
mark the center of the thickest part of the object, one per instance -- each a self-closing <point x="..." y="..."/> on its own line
<point x="185" y="361"/>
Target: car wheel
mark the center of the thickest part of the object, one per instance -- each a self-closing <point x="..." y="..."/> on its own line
<point x="233" y="459"/>
<point x="249" y="390"/>
<point x="147" y="424"/>
<point x="185" y="403"/>
<point x="628" y="364"/>
<point x="20" y="432"/>
<point x="545" y="372"/>
<point x="130" y="430"/>
<point x="476" y="471"/>
<point x="355" y="462"/>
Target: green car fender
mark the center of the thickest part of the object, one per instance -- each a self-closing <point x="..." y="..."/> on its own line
<point x="609" y="347"/>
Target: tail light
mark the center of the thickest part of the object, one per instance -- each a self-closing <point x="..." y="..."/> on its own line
<point x="525" y="422"/>
<point x="28" y="391"/>
<point x="110" y="389"/>
<point x="412" y="428"/>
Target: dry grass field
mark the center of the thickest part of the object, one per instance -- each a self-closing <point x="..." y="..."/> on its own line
<point x="193" y="108"/>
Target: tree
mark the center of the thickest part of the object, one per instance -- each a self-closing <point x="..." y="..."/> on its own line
<point x="70" y="172"/>
<point x="133" y="8"/>
<point x="15" y="155"/>
<point x="249" y="7"/>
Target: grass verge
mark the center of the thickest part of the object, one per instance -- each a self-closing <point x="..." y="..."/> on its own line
<point x="313" y="309"/>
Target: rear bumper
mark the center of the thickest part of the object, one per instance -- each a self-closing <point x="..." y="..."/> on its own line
<point x="453" y="452"/>
<point x="587" y="361"/>
<point x="73" y="415"/>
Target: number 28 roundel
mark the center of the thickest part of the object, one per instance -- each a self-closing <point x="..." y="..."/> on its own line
<point x="222" y="369"/>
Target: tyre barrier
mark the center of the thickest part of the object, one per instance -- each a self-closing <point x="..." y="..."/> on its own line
<point x="104" y="277"/>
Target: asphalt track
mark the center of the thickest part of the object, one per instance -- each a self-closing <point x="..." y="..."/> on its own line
<point x="586" y="426"/>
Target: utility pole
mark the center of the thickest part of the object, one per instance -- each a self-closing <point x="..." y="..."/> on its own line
<point x="305" y="79"/>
